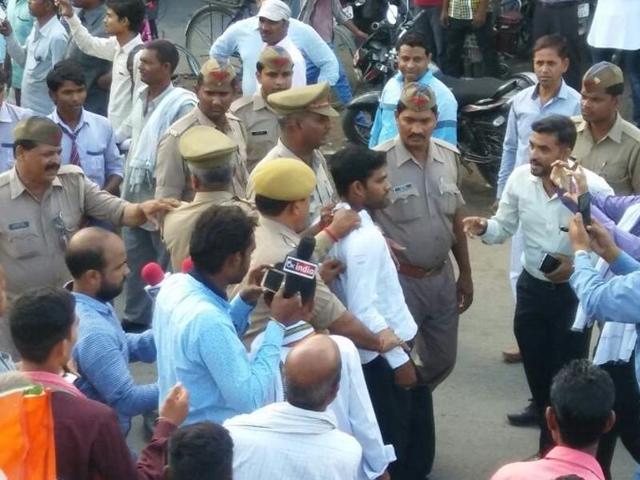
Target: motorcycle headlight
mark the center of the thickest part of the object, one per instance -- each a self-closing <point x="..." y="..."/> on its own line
<point x="498" y="121"/>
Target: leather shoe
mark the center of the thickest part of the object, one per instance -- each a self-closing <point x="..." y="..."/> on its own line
<point x="527" y="417"/>
<point x="512" y="355"/>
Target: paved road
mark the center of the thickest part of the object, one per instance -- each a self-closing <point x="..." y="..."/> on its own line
<point x="473" y="438"/>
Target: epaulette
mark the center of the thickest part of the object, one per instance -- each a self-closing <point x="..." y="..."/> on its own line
<point x="385" y="146"/>
<point x="446" y="145"/>
<point x="241" y="103"/>
<point x="181" y="126"/>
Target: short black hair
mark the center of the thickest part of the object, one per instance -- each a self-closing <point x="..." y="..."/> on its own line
<point x="202" y="451"/>
<point x="82" y="260"/>
<point x="560" y="126"/>
<point x="414" y="39"/>
<point x="25" y="144"/>
<point x="555" y="42"/>
<point x="39" y="319"/>
<point x="354" y="163"/>
<point x="220" y="231"/>
<point x="269" y="206"/>
<point x="132" y="10"/>
<point x="65" y="70"/>
<point x="166" y="52"/>
<point x="582" y="397"/>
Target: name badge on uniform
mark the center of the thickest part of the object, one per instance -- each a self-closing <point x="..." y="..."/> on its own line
<point x="18" y="225"/>
<point x="405" y="187"/>
<point x="259" y="133"/>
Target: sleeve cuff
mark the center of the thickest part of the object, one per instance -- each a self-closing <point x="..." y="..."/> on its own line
<point x="164" y="428"/>
<point x="240" y="307"/>
<point x="623" y="264"/>
<point x="396" y="357"/>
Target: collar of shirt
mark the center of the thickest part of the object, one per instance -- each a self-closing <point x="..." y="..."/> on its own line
<point x="615" y="133"/>
<point x="259" y="102"/>
<point x="577" y="457"/>
<point x="203" y="119"/>
<point x="17" y="187"/>
<point x="281" y="228"/>
<point x="104" y="309"/>
<point x="5" y="116"/>
<point x="200" y="278"/>
<point x="83" y="121"/>
<point x="316" y="160"/>
<point x="54" y="382"/>
<point x="404" y="155"/>
<point x="425" y="79"/>
<point x="143" y="96"/>
<point x="563" y="92"/>
<point x="46" y="29"/>
<point x="211" y="197"/>
<point x="131" y="44"/>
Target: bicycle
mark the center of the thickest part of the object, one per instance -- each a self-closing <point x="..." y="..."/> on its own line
<point x="208" y="23"/>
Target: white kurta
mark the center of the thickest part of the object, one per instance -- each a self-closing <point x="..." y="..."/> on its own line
<point x="615" y="25"/>
<point x="284" y="442"/>
<point x="352" y="407"/>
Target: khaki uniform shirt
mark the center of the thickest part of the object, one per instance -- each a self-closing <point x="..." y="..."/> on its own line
<point x="172" y="172"/>
<point x="616" y="157"/>
<point x="325" y="191"/>
<point x="424" y="200"/>
<point x="34" y="233"/>
<point x="273" y="242"/>
<point x="178" y="224"/>
<point x="261" y="122"/>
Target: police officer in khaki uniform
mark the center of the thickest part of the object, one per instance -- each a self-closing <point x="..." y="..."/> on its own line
<point x="607" y="144"/>
<point x="274" y="72"/>
<point x="209" y="155"/>
<point x="425" y="218"/>
<point x="282" y="190"/>
<point x="43" y="204"/>
<point x="305" y="121"/>
<point x="215" y="90"/>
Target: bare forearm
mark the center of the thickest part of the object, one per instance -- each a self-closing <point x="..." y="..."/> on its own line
<point x="460" y="248"/>
<point x="133" y="215"/>
<point x="349" y="326"/>
<point x="112" y="184"/>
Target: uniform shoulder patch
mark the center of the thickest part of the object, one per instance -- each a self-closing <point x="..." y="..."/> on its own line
<point x="241" y="103"/>
<point x="631" y="130"/>
<point x="182" y="125"/>
<point x="70" y="170"/>
<point x="446" y="145"/>
<point x="385" y="146"/>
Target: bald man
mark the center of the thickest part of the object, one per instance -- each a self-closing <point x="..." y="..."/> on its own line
<point x="298" y="438"/>
<point x="97" y="261"/>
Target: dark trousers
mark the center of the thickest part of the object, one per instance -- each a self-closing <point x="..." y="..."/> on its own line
<point x="456" y="33"/>
<point x="430" y="27"/>
<point x="627" y="408"/>
<point x="542" y="326"/>
<point x="406" y="421"/>
<point x="562" y="19"/>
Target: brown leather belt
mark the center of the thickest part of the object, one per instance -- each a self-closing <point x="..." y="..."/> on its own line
<point x="413" y="271"/>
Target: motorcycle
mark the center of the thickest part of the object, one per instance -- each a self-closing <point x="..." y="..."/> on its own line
<point x="483" y="109"/>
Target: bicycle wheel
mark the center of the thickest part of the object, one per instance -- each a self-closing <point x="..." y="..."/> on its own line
<point x="188" y="58"/>
<point x="205" y="26"/>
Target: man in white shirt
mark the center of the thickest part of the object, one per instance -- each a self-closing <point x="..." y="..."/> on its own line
<point x="545" y="303"/>
<point x="122" y="23"/>
<point x="298" y="439"/>
<point x="46" y="45"/>
<point x="352" y="406"/>
<point x="10" y="115"/>
<point x="370" y="289"/>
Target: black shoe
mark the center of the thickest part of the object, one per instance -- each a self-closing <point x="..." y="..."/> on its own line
<point x="526" y="418"/>
<point x="132" y="327"/>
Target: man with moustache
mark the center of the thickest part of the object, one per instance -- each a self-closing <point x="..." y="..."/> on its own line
<point x="274" y="72"/>
<point x="530" y="200"/>
<point x="215" y="88"/>
<point x="97" y="260"/>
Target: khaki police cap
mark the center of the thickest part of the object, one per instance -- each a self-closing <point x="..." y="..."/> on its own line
<point x="286" y="179"/>
<point x="601" y="76"/>
<point x="275" y="57"/>
<point x="218" y="73"/>
<point x="417" y="97"/>
<point x="310" y="98"/>
<point x="206" y="147"/>
<point x="38" y="129"/>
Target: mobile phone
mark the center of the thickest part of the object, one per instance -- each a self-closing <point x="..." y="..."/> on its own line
<point x="584" y="207"/>
<point x="549" y="263"/>
<point x="272" y="280"/>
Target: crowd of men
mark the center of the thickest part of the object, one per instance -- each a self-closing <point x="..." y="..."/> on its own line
<point x="108" y="170"/>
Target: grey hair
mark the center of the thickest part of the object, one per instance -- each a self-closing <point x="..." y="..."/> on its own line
<point x="210" y="177"/>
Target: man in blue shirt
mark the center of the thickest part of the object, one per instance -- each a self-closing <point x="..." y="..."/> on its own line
<point x="97" y="261"/>
<point x="244" y="37"/>
<point x="88" y="139"/>
<point x="198" y="330"/>
<point x="413" y="65"/>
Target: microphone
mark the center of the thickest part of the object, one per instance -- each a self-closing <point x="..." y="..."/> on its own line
<point x="187" y="265"/>
<point x="153" y="276"/>
<point x="299" y="266"/>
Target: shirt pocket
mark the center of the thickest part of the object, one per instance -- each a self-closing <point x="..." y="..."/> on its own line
<point x="449" y="197"/>
<point x="94" y="166"/>
<point x="23" y="242"/>
<point x="405" y="203"/>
